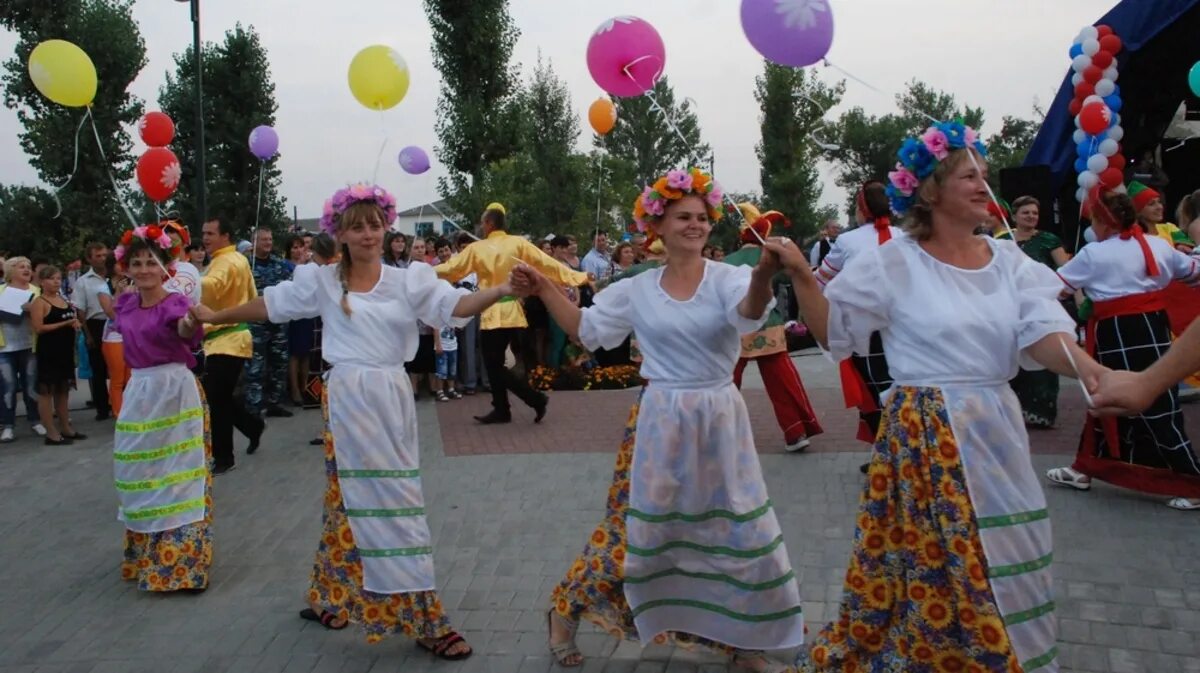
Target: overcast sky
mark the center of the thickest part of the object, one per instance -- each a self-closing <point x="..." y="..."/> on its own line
<point x="998" y="54"/>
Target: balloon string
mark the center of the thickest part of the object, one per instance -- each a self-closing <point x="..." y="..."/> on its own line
<point x="382" y="146"/>
<point x="74" y="168"/>
<point x="454" y="224"/>
<point x="108" y="170"/>
<point x="262" y="169"/>
<point x="847" y="73"/>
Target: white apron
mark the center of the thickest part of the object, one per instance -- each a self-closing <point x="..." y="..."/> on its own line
<point x="373" y="421"/>
<point x="158" y="450"/>
<point x="705" y="552"/>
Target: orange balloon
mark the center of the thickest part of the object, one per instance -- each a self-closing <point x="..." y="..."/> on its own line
<point x="602" y="115"/>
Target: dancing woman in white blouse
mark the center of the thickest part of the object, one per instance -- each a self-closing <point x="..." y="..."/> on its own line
<point x="951" y="562"/>
<point x="374" y="564"/>
<point x="690" y="545"/>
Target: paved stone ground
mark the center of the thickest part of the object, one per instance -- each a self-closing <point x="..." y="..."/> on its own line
<point x="505" y="529"/>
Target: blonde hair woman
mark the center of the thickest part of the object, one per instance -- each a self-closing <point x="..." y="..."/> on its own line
<point x="18" y="367"/>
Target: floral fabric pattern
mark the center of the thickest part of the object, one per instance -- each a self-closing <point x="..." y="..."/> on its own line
<point x="917" y="593"/>
<point x="337" y="577"/>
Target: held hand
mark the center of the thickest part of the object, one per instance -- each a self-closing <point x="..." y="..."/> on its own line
<point x="506" y="289"/>
<point x="1122" y="393"/>
<point x="526" y="281"/>
<point x="789" y="256"/>
<point x="769" y="262"/>
<point x="203" y="313"/>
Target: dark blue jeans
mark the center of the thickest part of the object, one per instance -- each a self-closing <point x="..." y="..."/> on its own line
<point x="18" y="371"/>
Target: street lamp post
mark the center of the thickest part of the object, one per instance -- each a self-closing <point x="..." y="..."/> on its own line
<point x="201" y="183"/>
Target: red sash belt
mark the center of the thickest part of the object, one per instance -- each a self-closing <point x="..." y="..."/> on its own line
<point x="1134" y="304"/>
<point x="855" y="389"/>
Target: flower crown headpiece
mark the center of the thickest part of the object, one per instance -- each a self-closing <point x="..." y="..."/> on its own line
<point x="344" y="198"/>
<point x="151" y="233"/>
<point x="919" y="158"/>
<point x="652" y="203"/>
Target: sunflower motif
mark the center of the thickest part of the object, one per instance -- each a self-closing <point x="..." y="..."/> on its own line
<point x="991" y="633"/>
<point x="923" y="653"/>
<point x="800" y="14"/>
<point x="951" y="662"/>
<point x="936" y="613"/>
<point x="878" y="595"/>
<point x="918" y="592"/>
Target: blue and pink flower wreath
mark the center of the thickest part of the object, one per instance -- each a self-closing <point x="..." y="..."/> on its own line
<point x="344" y="198"/>
<point x="920" y="156"/>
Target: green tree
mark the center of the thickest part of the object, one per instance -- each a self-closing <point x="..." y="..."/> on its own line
<point x="26" y="228"/>
<point x="868" y="144"/>
<point x="238" y="96"/>
<point x="51" y="133"/>
<point x="478" y="117"/>
<point x="549" y="134"/>
<point x="1008" y="147"/>
<point x="792" y="104"/>
<point x="643" y="135"/>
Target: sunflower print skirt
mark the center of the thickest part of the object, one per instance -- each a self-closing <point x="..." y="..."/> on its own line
<point x="337" y="578"/>
<point x="179" y="558"/>
<point x="594" y="588"/>
<point x="917" y="594"/>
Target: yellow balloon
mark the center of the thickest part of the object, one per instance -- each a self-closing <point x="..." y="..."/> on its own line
<point x="63" y="73"/>
<point x="378" y="77"/>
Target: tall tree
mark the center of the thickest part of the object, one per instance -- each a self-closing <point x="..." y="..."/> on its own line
<point x="868" y="144"/>
<point x="478" y="119"/>
<point x="550" y="133"/>
<point x="51" y="133"/>
<point x="792" y="104"/>
<point x="238" y="96"/>
<point x="643" y="136"/>
<point x="1007" y="147"/>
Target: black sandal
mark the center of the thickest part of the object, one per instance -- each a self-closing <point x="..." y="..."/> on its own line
<point x="442" y="645"/>
<point x="325" y="619"/>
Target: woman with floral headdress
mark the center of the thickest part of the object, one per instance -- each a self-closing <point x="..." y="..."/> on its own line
<point x="374" y="563"/>
<point x="690" y="545"/>
<point x="161" y="449"/>
<point x="950" y="569"/>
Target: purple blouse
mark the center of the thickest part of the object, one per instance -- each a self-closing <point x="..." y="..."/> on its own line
<point x="150" y="334"/>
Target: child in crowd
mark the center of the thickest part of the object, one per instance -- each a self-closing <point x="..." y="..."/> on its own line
<point x="447" y="364"/>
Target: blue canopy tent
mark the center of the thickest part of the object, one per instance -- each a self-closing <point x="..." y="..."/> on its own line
<point x="1160" y="46"/>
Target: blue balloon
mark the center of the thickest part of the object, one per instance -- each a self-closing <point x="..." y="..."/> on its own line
<point x="1194" y="79"/>
<point x="1076" y="50"/>
<point x="1114" y="103"/>
<point x="1084" y="149"/>
<point x="1080" y="165"/>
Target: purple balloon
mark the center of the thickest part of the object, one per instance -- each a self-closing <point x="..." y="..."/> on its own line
<point x="413" y="160"/>
<point x="796" y="33"/>
<point x="264" y="142"/>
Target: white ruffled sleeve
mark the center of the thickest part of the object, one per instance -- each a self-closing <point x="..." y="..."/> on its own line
<point x="606" y="323"/>
<point x="859" y="301"/>
<point x="1040" y="313"/>
<point x="432" y="299"/>
<point x="734" y="283"/>
<point x="297" y="298"/>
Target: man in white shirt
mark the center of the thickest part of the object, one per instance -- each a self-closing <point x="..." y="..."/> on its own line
<point x="821" y="248"/>
<point x="86" y="298"/>
<point x="597" y="261"/>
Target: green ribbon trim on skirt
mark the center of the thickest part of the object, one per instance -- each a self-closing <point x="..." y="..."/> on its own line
<point x="701" y="517"/>
<point x="705" y="549"/>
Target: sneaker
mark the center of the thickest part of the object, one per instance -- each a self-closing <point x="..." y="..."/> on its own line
<point x="454" y="395"/>
<point x="37" y="427"/>
<point x="6" y="435"/>
<point x="798" y="445"/>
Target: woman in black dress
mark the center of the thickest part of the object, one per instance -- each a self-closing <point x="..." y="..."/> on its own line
<point x="55" y="324"/>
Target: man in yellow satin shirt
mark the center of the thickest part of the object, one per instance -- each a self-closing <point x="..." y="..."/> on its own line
<point x="228" y="282"/>
<point x="491" y="260"/>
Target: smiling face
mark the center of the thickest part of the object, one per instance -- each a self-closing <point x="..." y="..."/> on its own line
<point x="684" y="227"/>
<point x="627" y="256"/>
<point x="962" y="195"/>
<point x="1152" y="212"/>
<point x="22" y="273"/>
<point x="298" y="253"/>
<point x="398" y="247"/>
<point x="265" y="243"/>
<point x="144" y="269"/>
<point x="1027" y="216"/>
<point x="361" y="230"/>
<point x="52" y="284"/>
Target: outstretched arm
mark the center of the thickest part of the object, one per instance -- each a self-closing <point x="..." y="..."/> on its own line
<point x="527" y="281"/>
<point x="254" y="310"/>
<point x="476" y="302"/>
<point x="1122" y="393"/>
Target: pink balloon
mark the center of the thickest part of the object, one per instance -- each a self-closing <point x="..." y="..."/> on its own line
<point x="626" y="56"/>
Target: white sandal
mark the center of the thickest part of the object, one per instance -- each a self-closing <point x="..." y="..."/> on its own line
<point x="567" y="649"/>
<point x="746" y="660"/>
<point x="1185" y="504"/>
<point x="1069" y="477"/>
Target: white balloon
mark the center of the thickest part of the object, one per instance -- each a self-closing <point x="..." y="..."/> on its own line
<point x="1091" y="47"/>
<point x="1115" y="133"/>
<point x="1078" y="124"/>
<point x="1079" y="136"/>
<point x="1108" y="147"/>
<point x="1088" y="179"/>
<point x="1081" y="194"/>
<point x="1076" y="79"/>
<point x="1105" y="87"/>
<point x="1080" y="62"/>
<point x="1090" y="33"/>
<point x="1092" y="99"/>
<point x="1111" y="73"/>
<point x="1097" y="163"/>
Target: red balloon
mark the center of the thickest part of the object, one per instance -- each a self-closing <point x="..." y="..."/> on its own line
<point x="156" y="129"/>
<point x="1103" y="30"/>
<point x="1111" y="177"/>
<point x="1117" y="161"/>
<point x="1102" y="59"/>
<point x="1094" y="118"/>
<point x="1110" y="44"/>
<point x="158" y="173"/>
<point x="1084" y="89"/>
<point x="1075" y="107"/>
<point x="1092" y="74"/>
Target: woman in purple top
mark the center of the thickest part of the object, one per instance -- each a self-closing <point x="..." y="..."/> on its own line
<point x="161" y="451"/>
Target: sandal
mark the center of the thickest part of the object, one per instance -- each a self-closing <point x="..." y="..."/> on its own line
<point x="1069" y="477"/>
<point x="440" y="646"/>
<point x="566" y="649"/>
<point x="1185" y="504"/>
<point x="325" y="619"/>
<point x="454" y="395"/>
<point x="442" y="397"/>
<point x="757" y="661"/>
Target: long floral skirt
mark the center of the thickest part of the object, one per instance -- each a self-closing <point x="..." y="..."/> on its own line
<point x="1038" y="392"/>
<point x="917" y="596"/>
<point x="179" y="558"/>
<point x="337" y="576"/>
<point x="594" y="588"/>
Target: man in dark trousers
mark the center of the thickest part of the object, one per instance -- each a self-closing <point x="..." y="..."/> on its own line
<point x="86" y="298"/>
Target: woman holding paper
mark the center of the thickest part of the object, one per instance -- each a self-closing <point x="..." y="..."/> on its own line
<point x="18" y="368"/>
